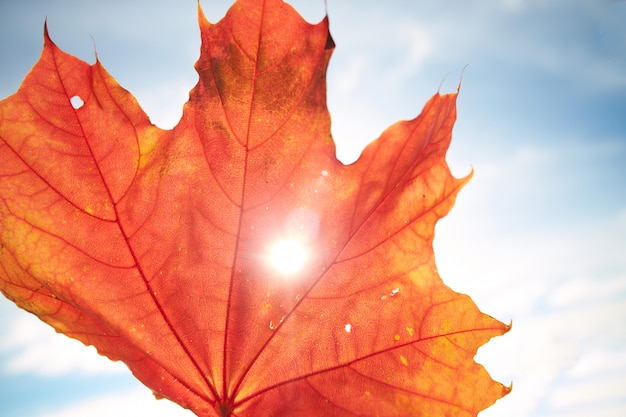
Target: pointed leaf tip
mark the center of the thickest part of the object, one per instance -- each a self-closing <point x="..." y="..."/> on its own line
<point x="46" y="36"/>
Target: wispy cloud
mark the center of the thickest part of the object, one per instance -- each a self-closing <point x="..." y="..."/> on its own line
<point x="139" y="402"/>
<point x="30" y="346"/>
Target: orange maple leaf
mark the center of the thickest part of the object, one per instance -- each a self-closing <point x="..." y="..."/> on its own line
<point x="233" y="263"/>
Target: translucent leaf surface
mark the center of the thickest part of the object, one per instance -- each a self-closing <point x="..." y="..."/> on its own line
<point x="233" y="263"/>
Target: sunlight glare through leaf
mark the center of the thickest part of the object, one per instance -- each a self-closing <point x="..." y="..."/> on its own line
<point x="288" y="256"/>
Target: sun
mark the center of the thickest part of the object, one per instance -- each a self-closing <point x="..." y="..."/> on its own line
<point x="288" y="256"/>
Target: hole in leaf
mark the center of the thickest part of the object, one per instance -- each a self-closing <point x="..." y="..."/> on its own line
<point x="77" y="102"/>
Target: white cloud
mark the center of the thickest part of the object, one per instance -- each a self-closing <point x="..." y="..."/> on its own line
<point x="31" y="346"/>
<point x="580" y="40"/>
<point x="513" y="6"/>
<point x="583" y="290"/>
<point x="139" y="402"/>
<point x="347" y="78"/>
<point x="608" y="360"/>
<point x="590" y="393"/>
<point x="542" y="357"/>
<point x="418" y="43"/>
<point x="598" y="410"/>
<point x="563" y="288"/>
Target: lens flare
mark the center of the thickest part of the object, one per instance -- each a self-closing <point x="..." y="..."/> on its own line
<point x="288" y="256"/>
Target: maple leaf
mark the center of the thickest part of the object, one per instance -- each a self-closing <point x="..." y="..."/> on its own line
<point x="233" y="263"/>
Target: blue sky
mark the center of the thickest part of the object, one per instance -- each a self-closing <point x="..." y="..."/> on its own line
<point x="538" y="236"/>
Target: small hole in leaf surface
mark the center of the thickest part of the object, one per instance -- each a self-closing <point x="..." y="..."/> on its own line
<point x="77" y="102"/>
